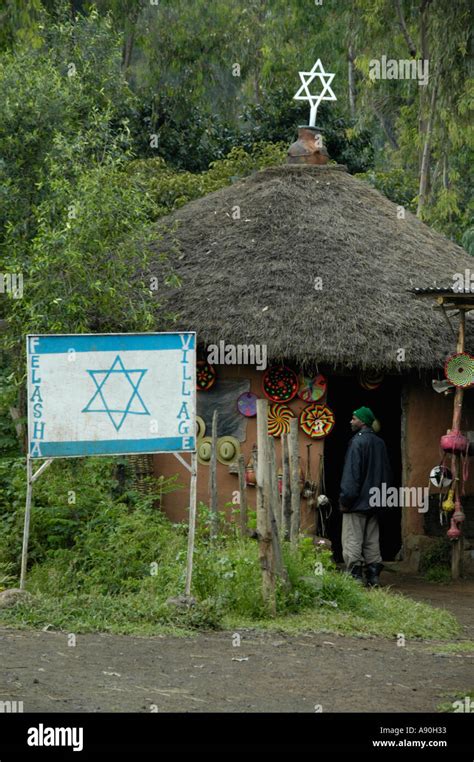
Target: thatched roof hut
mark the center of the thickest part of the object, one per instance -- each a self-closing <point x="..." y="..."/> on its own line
<point x="320" y="268"/>
<point x="249" y="257"/>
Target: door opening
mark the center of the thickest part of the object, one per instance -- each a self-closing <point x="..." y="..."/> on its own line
<point x="345" y="395"/>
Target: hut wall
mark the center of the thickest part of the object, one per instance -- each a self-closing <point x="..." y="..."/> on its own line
<point x="427" y="415"/>
<point x="175" y="504"/>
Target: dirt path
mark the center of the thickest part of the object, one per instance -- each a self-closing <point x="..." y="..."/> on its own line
<point x="268" y="672"/>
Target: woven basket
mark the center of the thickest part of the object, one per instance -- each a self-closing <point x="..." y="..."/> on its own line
<point x="142" y="466"/>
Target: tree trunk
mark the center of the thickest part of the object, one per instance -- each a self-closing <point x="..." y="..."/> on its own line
<point x="127" y="50"/>
<point x="423" y="91"/>
<point x="401" y="20"/>
<point x="426" y="155"/>
<point x="387" y="127"/>
<point x="351" y="78"/>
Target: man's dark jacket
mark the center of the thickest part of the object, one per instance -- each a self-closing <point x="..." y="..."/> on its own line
<point x="366" y="466"/>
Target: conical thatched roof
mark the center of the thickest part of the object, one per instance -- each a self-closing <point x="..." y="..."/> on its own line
<point x="252" y="280"/>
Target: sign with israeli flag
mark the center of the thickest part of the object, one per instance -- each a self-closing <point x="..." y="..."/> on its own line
<point x="111" y="394"/>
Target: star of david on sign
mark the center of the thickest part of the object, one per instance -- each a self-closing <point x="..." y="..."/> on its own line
<point x="120" y="385"/>
<point x="307" y="77"/>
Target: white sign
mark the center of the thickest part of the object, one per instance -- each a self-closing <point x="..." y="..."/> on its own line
<point x="110" y="394"/>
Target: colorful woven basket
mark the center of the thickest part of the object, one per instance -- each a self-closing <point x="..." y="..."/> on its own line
<point x="311" y="389"/>
<point x="205" y="376"/>
<point x="280" y="384"/>
<point x="279" y="417"/>
<point x="370" y="381"/>
<point x="317" y="421"/>
<point x="459" y="369"/>
<point x="247" y="404"/>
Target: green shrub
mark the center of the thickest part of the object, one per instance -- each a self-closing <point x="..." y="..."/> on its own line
<point x="435" y="562"/>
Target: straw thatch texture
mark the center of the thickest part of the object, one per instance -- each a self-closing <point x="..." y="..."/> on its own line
<point x="252" y="280"/>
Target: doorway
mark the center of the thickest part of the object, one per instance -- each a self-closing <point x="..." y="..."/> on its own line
<point x="344" y="396"/>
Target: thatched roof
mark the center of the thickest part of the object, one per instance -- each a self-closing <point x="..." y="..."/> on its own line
<point x="252" y="280"/>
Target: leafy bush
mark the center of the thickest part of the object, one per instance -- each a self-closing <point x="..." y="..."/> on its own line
<point x="437" y="556"/>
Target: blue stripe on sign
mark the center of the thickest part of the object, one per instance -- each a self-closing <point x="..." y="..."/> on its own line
<point x="122" y="342"/>
<point x="111" y="447"/>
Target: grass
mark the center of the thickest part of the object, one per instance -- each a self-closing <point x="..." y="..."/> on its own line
<point x="384" y="615"/>
<point x="463" y="646"/>
<point x="351" y="611"/>
<point x="461" y="697"/>
<point x="109" y="563"/>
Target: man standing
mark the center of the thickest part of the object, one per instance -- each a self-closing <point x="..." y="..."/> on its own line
<point x="366" y="466"/>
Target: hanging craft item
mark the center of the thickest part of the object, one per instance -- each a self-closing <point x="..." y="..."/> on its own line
<point x="205" y="376"/>
<point x="204" y="450"/>
<point x="279" y="417"/>
<point x="458" y="514"/>
<point x="376" y="426"/>
<point x="200" y="427"/>
<point x="454" y="533"/>
<point x="311" y="389"/>
<point x="250" y="468"/>
<point x="441" y="476"/>
<point x="280" y="384"/>
<point x="247" y="404"/>
<point x="370" y="381"/>
<point x="228" y="450"/>
<point x="317" y="420"/>
<point x="459" y="369"/>
<point x="454" y="442"/>
<point x="448" y="504"/>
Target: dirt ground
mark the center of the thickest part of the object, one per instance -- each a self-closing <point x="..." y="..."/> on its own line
<point x="268" y="672"/>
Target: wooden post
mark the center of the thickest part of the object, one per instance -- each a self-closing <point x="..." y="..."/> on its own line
<point x="457" y="545"/>
<point x="285" y="489"/>
<point x="273" y="506"/>
<point x="264" y="531"/>
<point x="294" y="481"/>
<point x="192" y="524"/>
<point x="26" y="527"/>
<point x="30" y="477"/>
<point x="213" y="478"/>
<point x="273" y="479"/>
<point x="243" y="496"/>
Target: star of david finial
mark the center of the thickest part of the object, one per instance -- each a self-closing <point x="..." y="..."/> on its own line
<point x="326" y="93"/>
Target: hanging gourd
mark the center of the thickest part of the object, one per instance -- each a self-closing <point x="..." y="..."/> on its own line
<point x="448" y="504"/>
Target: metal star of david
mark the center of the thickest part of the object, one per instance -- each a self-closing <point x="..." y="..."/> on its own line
<point x="307" y="77"/>
<point x="117" y="383"/>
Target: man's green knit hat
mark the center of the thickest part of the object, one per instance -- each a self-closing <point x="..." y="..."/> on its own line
<point x="365" y="415"/>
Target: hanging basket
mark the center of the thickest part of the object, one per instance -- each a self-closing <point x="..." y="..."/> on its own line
<point x="142" y="466"/>
<point x="280" y="384"/>
<point x="454" y="442"/>
<point x="205" y="376"/>
<point x="459" y="369"/>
